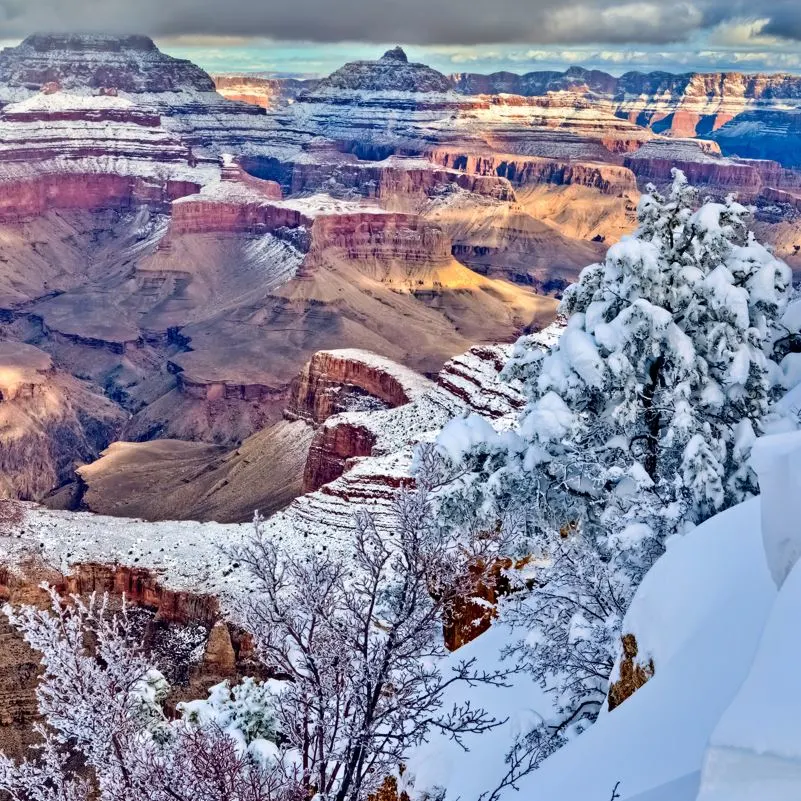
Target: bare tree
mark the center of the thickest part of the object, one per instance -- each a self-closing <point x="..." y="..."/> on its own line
<point x="358" y="640"/>
<point x="361" y="640"/>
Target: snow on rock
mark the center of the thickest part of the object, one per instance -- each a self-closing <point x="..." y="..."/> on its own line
<point x="776" y="460"/>
<point x="391" y="72"/>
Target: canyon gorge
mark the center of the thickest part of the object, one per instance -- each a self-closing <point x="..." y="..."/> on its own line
<point x="240" y="293"/>
<point x="180" y="251"/>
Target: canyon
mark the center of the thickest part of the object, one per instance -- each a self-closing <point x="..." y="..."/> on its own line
<point x="182" y="252"/>
<point x="247" y="293"/>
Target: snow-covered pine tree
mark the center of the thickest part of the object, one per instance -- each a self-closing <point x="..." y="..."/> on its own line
<point x="639" y="423"/>
<point x="640" y="419"/>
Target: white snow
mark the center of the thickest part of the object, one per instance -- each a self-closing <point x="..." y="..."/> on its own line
<point x="755" y="750"/>
<point x="776" y="459"/>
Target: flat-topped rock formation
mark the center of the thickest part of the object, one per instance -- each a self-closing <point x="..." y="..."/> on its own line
<point x="133" y="68"/>
<point x="261" y="91"/>
<point x="24" y="371"/>
<point x="175" y="479"/>
<point x="521" y="170"/>
<point x="126" y="63"/>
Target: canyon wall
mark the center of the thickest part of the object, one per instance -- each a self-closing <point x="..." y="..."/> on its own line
<point x="609" y="179"/>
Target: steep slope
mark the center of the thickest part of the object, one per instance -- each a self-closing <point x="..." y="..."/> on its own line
<point x="49" y="421"/>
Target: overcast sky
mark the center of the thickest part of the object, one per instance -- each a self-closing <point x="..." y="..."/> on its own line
<point x="453" y="35"/>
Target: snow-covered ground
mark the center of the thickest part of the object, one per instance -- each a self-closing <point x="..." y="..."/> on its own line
<point x="699" y="614"/>
<point x="721" y="718"/>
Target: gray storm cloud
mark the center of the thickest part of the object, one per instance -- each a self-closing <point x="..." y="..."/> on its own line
<point x="410" y="21"/>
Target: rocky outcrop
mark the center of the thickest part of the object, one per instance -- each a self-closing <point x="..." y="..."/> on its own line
<point x="330" y="390"/>
<point x="470" y="382"/>
<point x="378" y="243"/>
<point x="322" y="227"/>
<point x="336" y="381"/>
<point x="234" y="205"/>
<point x="391" y="73"/>
<point x="631" y="675"/>
<point x="334" y="445"/>
<point x="142" y="588"/>
<point x="393" y="180"/>
<point x="702" y="163"/>
<point x="126" y="63"/>
<point x="34" y="195"/>
<point x="48" y="422"/>
<point x="609" y="179"/>
<point x="473" y="379"/>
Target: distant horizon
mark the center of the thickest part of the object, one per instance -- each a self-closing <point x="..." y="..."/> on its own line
<point x="224" y="56"/>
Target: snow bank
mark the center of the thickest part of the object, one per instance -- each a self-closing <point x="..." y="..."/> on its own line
<point x="776" y="460"/>
<point x="699" y="613"/>
<point x="755" y="751"/>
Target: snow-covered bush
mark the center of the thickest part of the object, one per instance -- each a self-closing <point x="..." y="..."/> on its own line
<point x="246" y="711"/>
<point x="639" y="425"/>
<point x="101" y="700"/>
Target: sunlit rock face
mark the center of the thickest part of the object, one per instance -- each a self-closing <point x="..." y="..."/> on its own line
<point x="49" y="421"/>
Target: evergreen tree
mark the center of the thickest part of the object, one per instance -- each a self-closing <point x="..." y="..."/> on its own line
<point x="639" y="424"/>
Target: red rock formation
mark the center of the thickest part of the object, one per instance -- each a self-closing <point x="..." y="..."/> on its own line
<point x="318" y="392"/>
<point x="333" y="446"/>
<point x="377" y="239"/>
<point x="144" y="589"/>
<point x="331" y="383"/>
<point x="703" y="164"/>
<point x="390" y="179"/>
<point x="609" y="179"/>
<point x="32" y="196"/>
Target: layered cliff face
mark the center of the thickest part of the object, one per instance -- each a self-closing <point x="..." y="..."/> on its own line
<point x="259" y="91"/>
<point x="749" y="115"/>
<point x="72" y="151"/>
<point x="334" y="381"/>
<point x="334" y="391"/>
<point x="127" y="63"/>
<point x="134" y="69"/>
<point x="608" y="179"/>
<point x="764" y="134"/>
<point x="49" y="421"/>
<point x="347" y="478"/>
